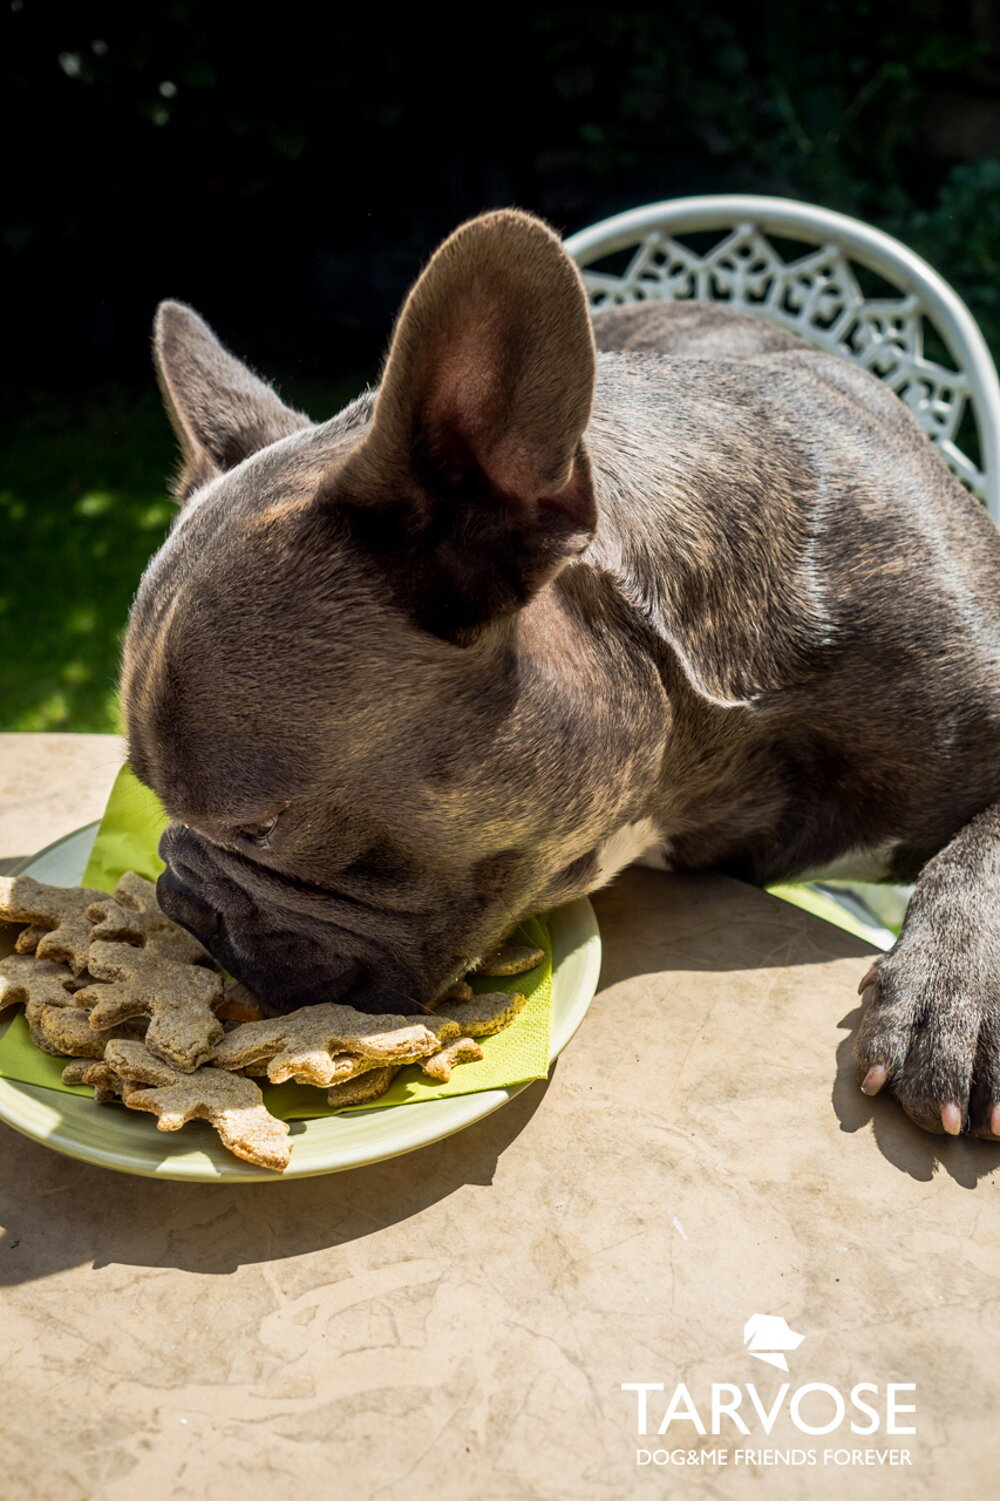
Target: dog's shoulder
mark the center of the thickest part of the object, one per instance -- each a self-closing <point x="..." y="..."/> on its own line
<point x="772" y="512"/>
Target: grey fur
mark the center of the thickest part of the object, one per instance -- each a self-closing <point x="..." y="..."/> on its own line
<point x="458" y="636"/>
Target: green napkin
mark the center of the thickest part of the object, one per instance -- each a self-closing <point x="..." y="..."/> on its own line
<point x="127" y="840"/>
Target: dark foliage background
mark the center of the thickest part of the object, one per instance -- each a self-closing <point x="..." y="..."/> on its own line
<point x="287" y="171"/>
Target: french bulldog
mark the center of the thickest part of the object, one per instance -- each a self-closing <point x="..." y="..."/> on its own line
<point x="560" y="592"/>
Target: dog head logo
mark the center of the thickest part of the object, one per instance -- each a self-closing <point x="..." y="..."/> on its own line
<point x="767" y="1336"/>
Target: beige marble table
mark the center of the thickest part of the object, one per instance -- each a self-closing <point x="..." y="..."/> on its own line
<point x="460" y="1322"/>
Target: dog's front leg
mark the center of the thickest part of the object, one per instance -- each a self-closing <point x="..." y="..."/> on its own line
<point x="931" y="1025"/>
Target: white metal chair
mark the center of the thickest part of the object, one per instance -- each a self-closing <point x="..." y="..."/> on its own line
<point x="815" y="290"/>
<point x="809" y="282"/>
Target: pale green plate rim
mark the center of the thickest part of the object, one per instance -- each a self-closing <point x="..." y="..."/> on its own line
<point x="74" y="1126"/>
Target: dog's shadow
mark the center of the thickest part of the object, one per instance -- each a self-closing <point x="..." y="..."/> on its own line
<point x="60" y="1213"/>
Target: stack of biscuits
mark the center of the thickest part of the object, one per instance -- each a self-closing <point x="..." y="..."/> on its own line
<point x="147" y="1018"/>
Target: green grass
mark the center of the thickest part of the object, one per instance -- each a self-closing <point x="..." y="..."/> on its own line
<point x="83" y="505"/>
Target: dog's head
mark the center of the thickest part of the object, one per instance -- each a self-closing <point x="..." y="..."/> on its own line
<point x="347" y="673"/>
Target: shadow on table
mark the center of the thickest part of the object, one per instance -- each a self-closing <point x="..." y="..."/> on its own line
<point x="713" y="923"/>
<point x="965" y="1159"/>
<point x="59" y="1213"/>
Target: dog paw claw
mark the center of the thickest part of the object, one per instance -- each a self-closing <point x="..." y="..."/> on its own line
<point x="874" y="1079"/>
<point x="869" y="978"/>
<point x="931" y="1038"/>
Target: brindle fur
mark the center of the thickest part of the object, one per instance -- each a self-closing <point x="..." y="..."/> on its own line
<point x="522" y="596"/>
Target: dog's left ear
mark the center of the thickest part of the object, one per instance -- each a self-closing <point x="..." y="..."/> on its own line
<point x="220" y="411"/>
<point x="472" y="487"/>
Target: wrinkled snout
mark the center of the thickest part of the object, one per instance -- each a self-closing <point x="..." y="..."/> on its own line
<point x="285" y="970"/>
<point x="251" y="924"/>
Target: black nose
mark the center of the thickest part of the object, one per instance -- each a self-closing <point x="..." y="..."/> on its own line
<point x="182" y="907"/>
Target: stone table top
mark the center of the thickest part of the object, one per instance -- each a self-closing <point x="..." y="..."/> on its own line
<point x="461" y="1322"/>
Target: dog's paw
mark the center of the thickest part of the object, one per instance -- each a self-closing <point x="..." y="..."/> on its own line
<point x="930" y="1033"/>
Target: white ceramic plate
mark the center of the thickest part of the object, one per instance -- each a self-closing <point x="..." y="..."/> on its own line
<point x="131" y="1144"/>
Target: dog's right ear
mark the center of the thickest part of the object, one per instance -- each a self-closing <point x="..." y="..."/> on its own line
<point x="472" y="487"/>
<point x="220" y="411"/>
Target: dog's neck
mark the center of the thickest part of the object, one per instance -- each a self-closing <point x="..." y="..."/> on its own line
<point x="712" y="549"/>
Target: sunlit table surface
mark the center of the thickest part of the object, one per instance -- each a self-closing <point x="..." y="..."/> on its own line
<point x="461" y="1322"/>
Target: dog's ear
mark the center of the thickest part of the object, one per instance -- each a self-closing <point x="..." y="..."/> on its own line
<point x="472" y="487"/>
<point x="220" y="411"/>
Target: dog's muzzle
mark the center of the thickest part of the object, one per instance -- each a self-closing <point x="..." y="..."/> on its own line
<point x="284" y="957"/>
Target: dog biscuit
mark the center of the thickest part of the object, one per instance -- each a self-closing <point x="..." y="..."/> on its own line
<point x="439" y="1065"/>
<point x="60" y="910"/>
<point x="363" y="1089"/>
<point x="348" y="1066"/>
<point x="460" y="990"/>
<point x="133" y="915"/>
<point x="35" y="982"/>
<point x="306" y="1044"/>
<point x="28" y="939"/>
<point x="137" y="1011"/>
<point x="508" y="959"/>
<point x="106" y="1084"/>
<point x="342" y="1068"/>
<point x="178" y="999"/>
<point x="233" y="1105"/>
<point x="57" y="1020"/>
<point x="486" y="1014"/>
<point x="67" y="1031"/>
<point x="105" y="1081"/>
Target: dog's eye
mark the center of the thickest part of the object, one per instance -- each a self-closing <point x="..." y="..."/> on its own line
<point x="257" y="832"/>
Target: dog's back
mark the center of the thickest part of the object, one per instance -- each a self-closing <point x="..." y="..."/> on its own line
<point x="687" y="328"/>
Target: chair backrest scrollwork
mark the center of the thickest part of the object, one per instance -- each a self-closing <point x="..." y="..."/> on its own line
<point x="815" y="290"/>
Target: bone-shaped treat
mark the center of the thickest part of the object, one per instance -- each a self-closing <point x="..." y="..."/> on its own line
<point x="61" y="911"/>
<point x="178" y="999"/>
<point x="233" y="1105"/>
<point x="133" y="915"/>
